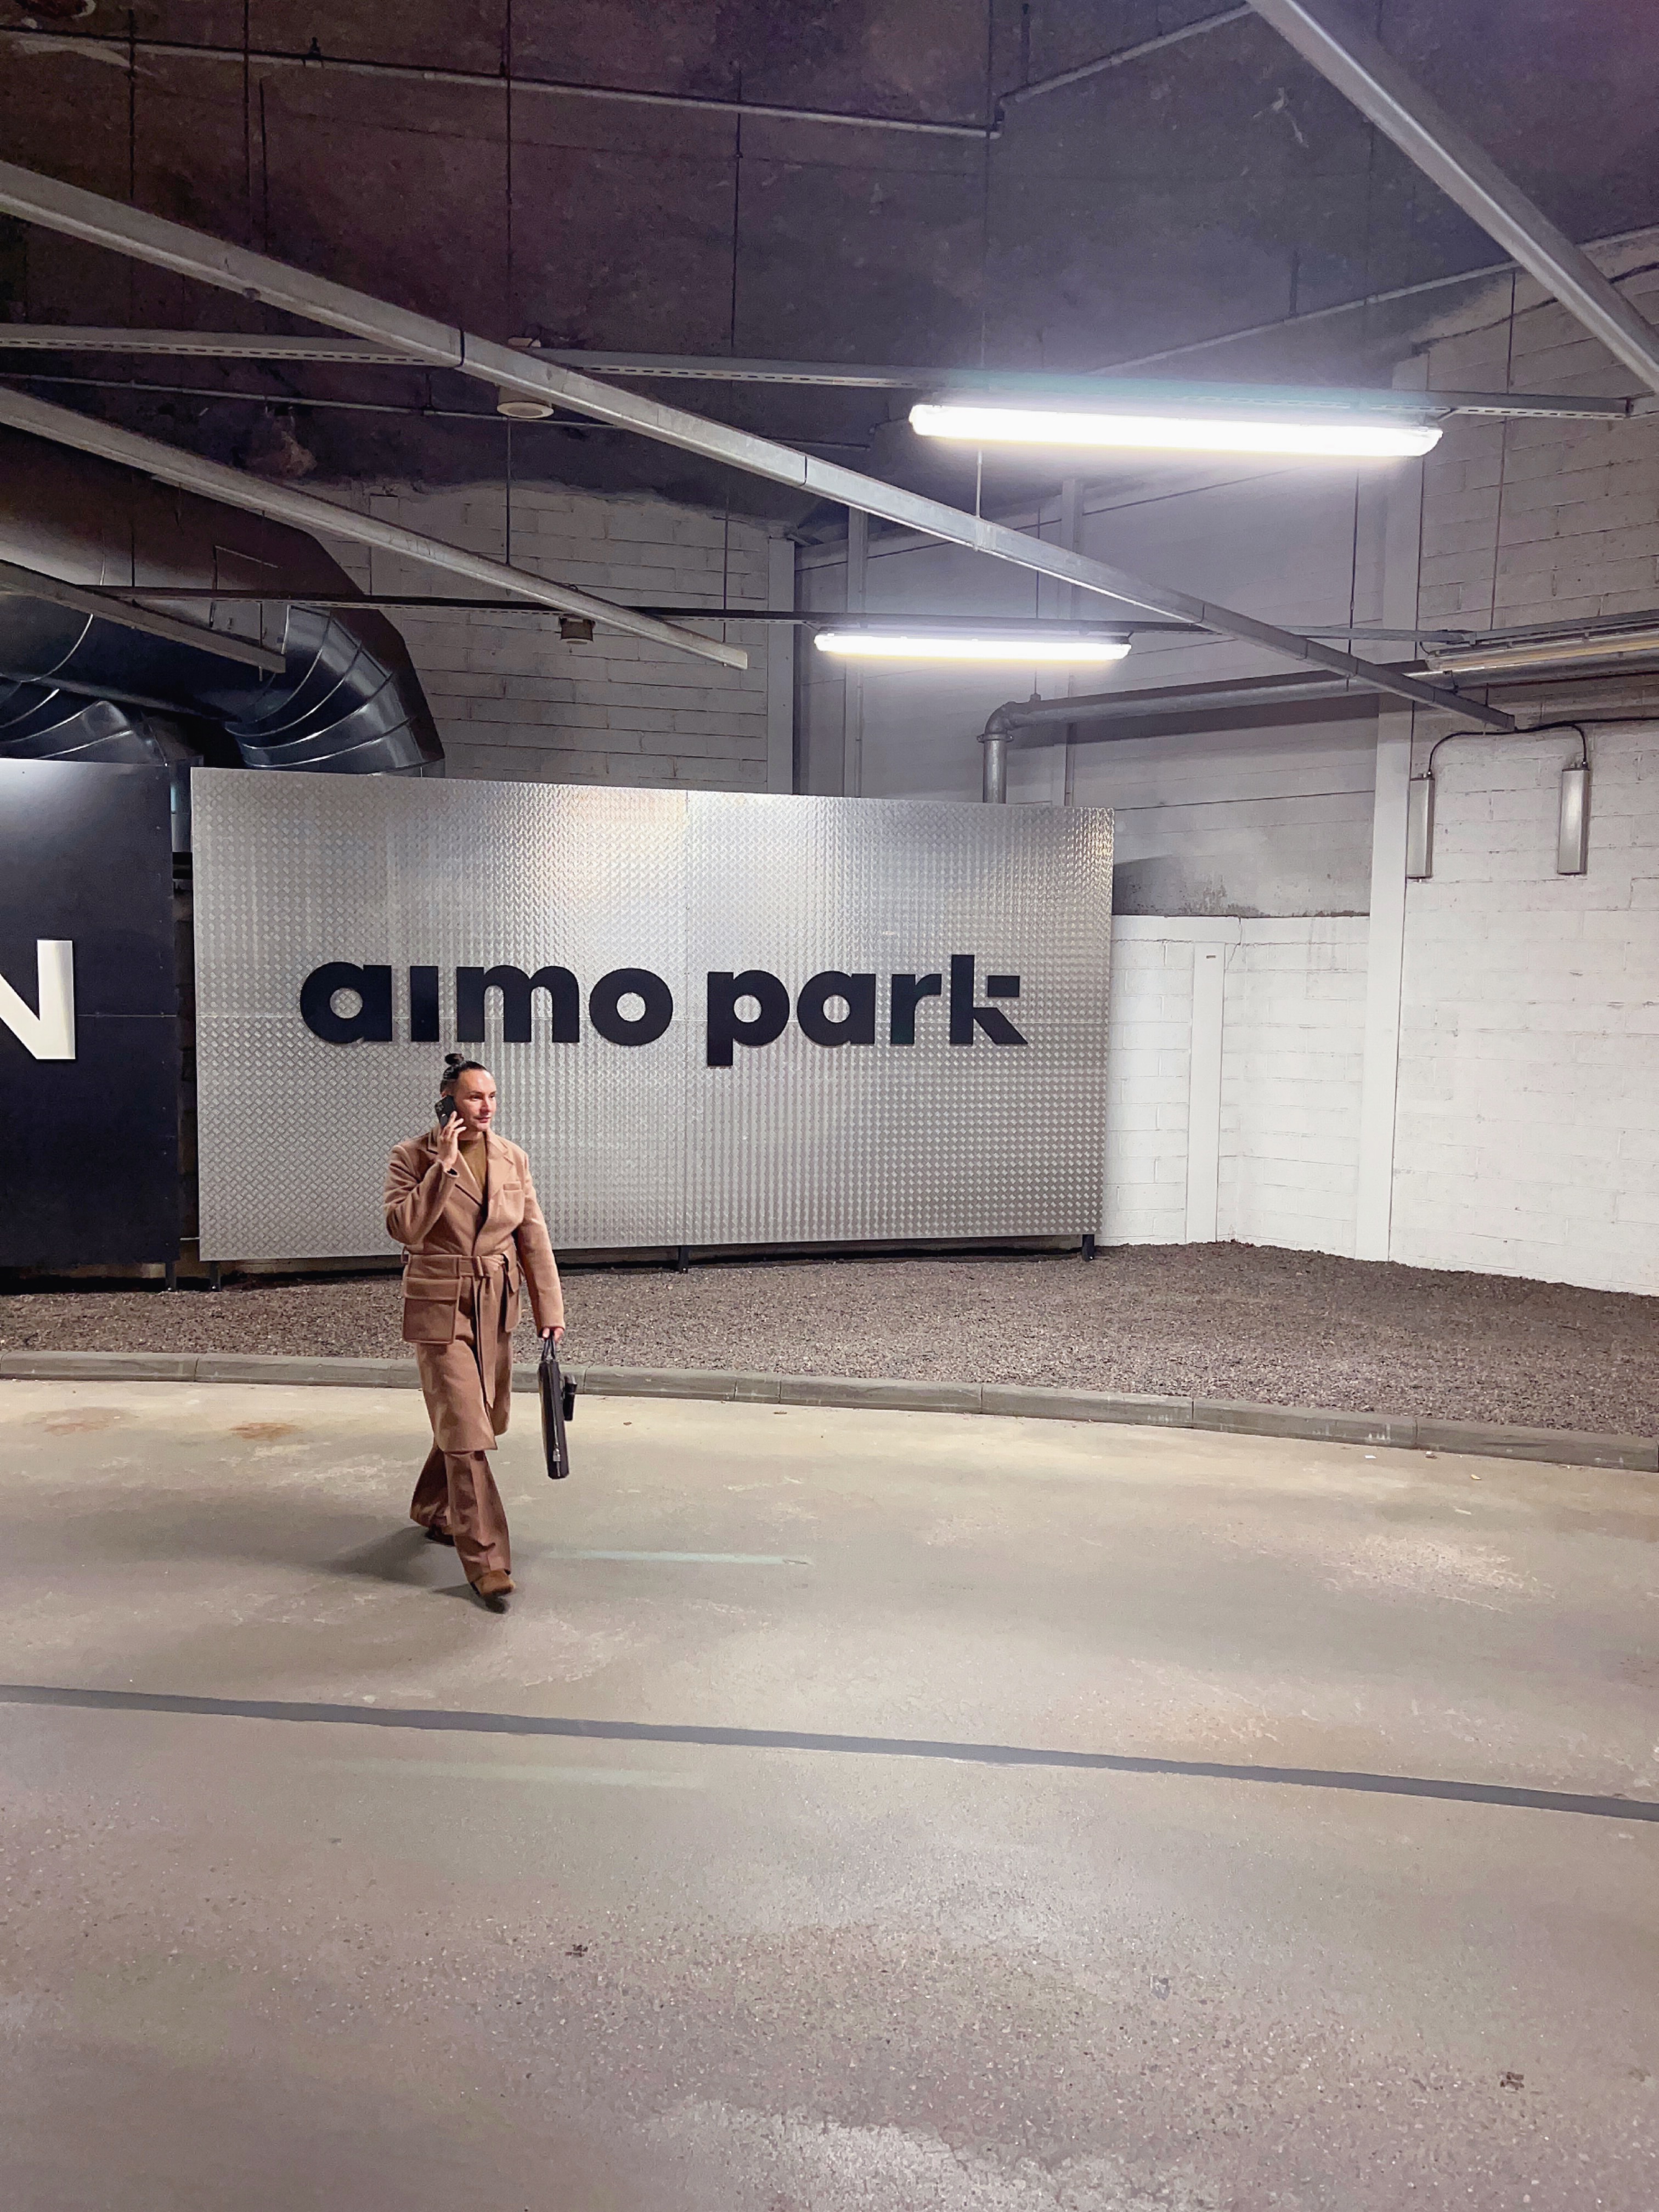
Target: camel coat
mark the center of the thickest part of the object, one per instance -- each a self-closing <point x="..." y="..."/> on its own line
<point x="466" y="1252"/>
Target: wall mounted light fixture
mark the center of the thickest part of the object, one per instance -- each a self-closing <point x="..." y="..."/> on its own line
<point x="1419" y="828"/>
<point x="1573" y="824"/>
<point x="1572" y="819"/>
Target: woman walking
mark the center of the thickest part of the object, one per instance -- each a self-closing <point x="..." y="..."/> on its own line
<point x="461" y="1202"/>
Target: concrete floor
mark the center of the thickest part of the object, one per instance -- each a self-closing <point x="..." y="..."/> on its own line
<point x="285" y="1963"/>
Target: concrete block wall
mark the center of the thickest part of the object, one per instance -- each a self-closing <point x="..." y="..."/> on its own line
<point x="1527" y="1139"/>
<point x="1149" y="1074"/>
<point x="1249" y="1132"/>
<point x="515" y="703"/>
<point x="1539" y="521"/>
<point x="1292" y="1062"/>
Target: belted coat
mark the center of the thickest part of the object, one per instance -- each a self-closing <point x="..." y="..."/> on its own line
<point x="466" y="1253"/>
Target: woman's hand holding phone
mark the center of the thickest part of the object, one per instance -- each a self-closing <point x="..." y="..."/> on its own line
<point x="449" y="1144"/>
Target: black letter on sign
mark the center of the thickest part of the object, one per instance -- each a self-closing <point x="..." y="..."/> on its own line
<point x="964" y="1013"/>
<point x="604" y="1005"/>
<point x="856" y="1026"/>
<point x="423" y="1006"/>
<point x="907" y="991"/>
<point x="725" y="1030"/>
<point x="517" y="990"/>
<point x="370" y="1025"/>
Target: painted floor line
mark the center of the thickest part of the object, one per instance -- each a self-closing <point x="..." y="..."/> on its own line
<point x="1608" y="1807"/>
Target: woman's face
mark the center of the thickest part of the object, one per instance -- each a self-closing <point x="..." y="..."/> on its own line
<point x="475" y="1100"/>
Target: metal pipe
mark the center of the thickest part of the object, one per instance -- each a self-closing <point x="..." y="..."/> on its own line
<point x="168" y="465"/>
<point x="116" y="53"/>
<point x="994" y="785"/>
<point x="125" y="229"/>
<point x="1123" y="54"/>
<point x="1124" y="705"/>
<point x="1352" y="61"/>
<point x="722" y="368"/>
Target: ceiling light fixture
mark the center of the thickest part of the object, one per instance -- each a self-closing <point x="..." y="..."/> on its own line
<point x="1021" y="648"/>
<point x="1307" y="433"/>
<point x="1496" y="658"/>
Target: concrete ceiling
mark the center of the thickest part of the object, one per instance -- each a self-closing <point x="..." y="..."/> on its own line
<point x="1211" y="186"/>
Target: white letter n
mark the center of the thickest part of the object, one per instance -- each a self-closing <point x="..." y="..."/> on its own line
<point x="49" y="1035"/>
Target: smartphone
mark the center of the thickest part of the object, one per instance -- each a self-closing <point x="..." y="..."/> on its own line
<point x="445" y="1109"/>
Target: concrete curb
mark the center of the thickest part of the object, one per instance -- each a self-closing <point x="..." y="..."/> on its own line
<point x="1491" y="1439"/>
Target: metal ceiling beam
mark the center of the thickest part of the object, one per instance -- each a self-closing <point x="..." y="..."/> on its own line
<point x="168" y="465"/>
<point x="724" y="368"/>
<point x="30" y="584"/>
<point x="1358" y="67"/>
<point x="209" y="345"/>
<point x="125" y="229"/>
<point x="1090" y="388"/>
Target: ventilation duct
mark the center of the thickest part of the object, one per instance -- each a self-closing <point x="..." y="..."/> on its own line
<point x="338" y="693"/>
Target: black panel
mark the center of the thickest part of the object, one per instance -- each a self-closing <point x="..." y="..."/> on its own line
<point x="92" y="1165"/>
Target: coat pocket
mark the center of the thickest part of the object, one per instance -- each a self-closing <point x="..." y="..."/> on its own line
<point x="430" y="1320"/>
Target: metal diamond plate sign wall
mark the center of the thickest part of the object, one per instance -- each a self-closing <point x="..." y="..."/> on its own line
<point x="713" y="1018"/>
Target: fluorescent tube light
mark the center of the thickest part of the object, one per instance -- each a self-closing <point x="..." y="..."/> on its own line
<point x="1023" y="650"/>
<point x="1335" y="437"/>
<point x="1498" y="659"/>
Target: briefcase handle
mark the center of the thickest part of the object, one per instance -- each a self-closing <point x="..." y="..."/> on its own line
<point x="551" y="1358"/>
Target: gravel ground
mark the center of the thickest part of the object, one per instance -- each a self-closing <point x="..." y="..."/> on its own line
<point x="1212" y="1320"/>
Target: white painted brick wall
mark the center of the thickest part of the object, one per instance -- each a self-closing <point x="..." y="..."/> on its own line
<point x="1527" y="1133"/>
<point x="1291" y="1062"/>
<point x="1148" y="1064"/>
<point x="515" y="703"/>
<point x="1535" y="521"/>
<point x="1292" y="1045"/>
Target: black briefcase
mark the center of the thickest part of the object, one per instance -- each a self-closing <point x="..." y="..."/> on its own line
<point x="558" y="1397"/>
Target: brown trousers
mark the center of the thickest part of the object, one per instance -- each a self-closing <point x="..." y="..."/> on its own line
<point x="457" y="1493"/>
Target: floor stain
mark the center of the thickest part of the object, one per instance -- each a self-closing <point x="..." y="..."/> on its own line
<point x="266" y="1432"/>
<point x="87" y="1420"/>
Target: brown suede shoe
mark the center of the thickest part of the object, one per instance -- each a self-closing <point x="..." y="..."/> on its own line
<point x="495" y="1587"/>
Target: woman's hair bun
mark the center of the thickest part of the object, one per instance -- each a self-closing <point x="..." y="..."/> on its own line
<point x="456" y="1065"/>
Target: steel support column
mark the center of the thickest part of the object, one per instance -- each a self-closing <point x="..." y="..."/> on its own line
<point x="125" y="229"/>
<point x="1358" y="67"/>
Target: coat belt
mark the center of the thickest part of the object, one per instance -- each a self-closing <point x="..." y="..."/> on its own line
<point x="490" y="1279"/>
<point x="456" y="1266"/>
